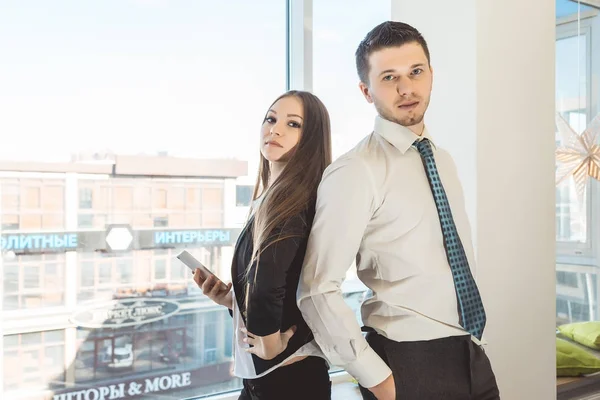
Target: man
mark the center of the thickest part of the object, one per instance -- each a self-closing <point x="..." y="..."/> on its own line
<point x="396" y="204"/>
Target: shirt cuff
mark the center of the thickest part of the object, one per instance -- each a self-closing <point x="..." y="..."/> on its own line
<point x="369" y="369"/>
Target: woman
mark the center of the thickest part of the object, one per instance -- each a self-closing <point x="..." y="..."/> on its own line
<point x="273" y="347"/>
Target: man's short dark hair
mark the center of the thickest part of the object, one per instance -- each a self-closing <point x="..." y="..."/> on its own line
<point x="384" y="35"/>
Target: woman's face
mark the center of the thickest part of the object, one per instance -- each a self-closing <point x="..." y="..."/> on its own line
<point x="282" y="128"/>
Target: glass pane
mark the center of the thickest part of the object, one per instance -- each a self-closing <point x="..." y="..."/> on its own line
<point x="54" y="358"/>
<point x="53" y="197"/>
<point x="11" y="302"/>
<point x="31" y="197"/>
<point x="85" y="220"/>
<point x="104" y="273"/>
<point x="53" y="278"/>
<point x="31" y="279"/>
<point x="86" y="274"/>
<point x="32" y="300"/>
<point x="179" y="271"/>
<point x="31" y="338"/>
<point x="576" y="296"/>
<point x="337" y="83"/>
<point x="11" y="195"/>
<point x="160" y="269"/>
<point x="85" y="198"/>
<point x="125" y="269"/>
<point x="11" y="375"/>
<point x="118" y="92"/>
<point x="577" y="103"/>
<point x="243" y="195"/>
<point x="54" y="336"/>
<point x="11" y="278"/>
<point x="10" y="222"/>
<point x="160" y="198"/>
<point x="31" y="361"/>
<point x="11" y="341"/>
<point x="571" y="95"/>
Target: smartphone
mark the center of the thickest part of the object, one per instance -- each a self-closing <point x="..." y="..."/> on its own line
<point x="192" y="263"/>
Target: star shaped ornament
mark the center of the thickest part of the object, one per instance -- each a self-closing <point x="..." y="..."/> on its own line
<point x="579" y="156"/>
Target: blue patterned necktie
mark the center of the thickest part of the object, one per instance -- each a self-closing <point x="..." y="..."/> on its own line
<point x="470" y="307"/>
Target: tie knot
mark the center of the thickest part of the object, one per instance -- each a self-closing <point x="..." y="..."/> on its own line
<point x="424" y="147"/>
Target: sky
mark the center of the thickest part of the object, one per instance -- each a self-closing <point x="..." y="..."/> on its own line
<point x="567" y="7"/>
<point x="192" y="78"/>
<point x="189" y="77"/>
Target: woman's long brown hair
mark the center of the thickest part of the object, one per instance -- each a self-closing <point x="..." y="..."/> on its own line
<point x="295" y="189"/>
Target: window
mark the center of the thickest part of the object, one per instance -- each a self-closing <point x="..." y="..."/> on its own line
<point x="160" y="198"/>
<point x="577" y="216"/>
<point x="33" y="283"/>
<point x="212" y="207"/>
<point x="119" y="93"/>
<point x="33" y="360"/>
<point x="87" y="274"/>
<point x="161" y="222"/>
<point x="210" y="337"/>
<point x="125" y="270"/>
<point x="10" y="222"/>
<point x="160" y="269"/>
<point x="53" y="198"/>
<point x="138" y="70"/>
<point x="243" y="195"/>
<point x="85" y="198"/>
<point x="11" y="196"/>
<point x="143" y="198"/>
<point x="193" y="199"/>
<point x="31" y="197"/>
<point x="105" y="273"/>
<point x="115" y="276"/>
<point x="123" y="199"/>
<point x="576" y="293"/>
<point x="85" y="220"/>
<point x="32" y="204"/>
<point x="177" y="198"/>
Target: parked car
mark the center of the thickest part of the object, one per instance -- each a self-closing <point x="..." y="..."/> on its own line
<point x="122" y="359"/>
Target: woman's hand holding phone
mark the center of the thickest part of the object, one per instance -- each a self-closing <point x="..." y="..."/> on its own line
<point x="214" y="289"/>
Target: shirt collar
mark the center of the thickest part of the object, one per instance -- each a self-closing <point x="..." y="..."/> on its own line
<point x="399" y="136"/>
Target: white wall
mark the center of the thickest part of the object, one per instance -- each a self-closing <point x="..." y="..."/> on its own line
<point x="492" y="108"/>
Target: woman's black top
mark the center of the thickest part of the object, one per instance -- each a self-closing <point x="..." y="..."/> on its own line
<point x="271" y="303"/>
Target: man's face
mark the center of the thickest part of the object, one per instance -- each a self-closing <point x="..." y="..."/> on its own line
<point x="400" y="81"/>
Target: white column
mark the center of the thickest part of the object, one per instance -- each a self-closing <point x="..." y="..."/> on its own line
<point x="300" y="44"/>
<point x="492" y="108"/>
<point x="1" y="302"/>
